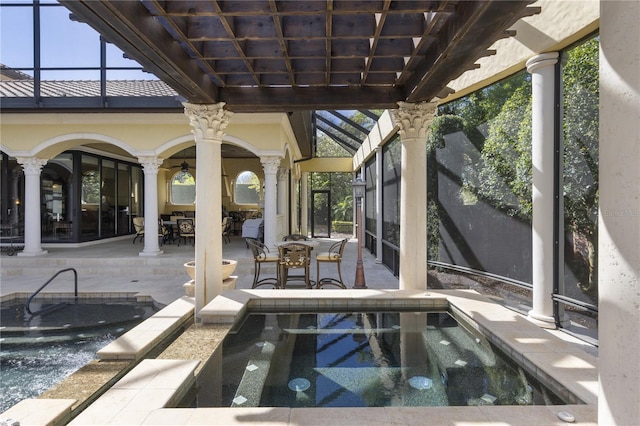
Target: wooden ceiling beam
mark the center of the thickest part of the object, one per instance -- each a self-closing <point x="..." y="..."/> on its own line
<point x="281" y="99"/>
<point x="271" y="55"/>
<point x="478" y="26"/>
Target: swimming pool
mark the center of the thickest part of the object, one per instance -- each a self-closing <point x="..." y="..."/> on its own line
<point x="37" y="352"/>
<point x="362" y="359"/>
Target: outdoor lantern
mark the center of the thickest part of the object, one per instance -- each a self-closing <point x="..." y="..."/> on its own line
<point x="358" y="187"/>
<point x="358" y="192"/>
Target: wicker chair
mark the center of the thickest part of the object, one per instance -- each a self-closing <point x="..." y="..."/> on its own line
<point x="261" y="256"/>
<point x="294" y="256"/>
<point x="334" y="255"/>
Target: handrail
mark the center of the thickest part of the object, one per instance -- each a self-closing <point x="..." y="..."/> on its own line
<point x="28" y="302"/>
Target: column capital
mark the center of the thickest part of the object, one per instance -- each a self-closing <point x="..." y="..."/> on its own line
<point x="541" y="61"/>
<point x="283" y="173"/>
<point x="413" y="119"/>
<point x="150" y="164"/>
<point x="209" y="121"/>
<point x="270" y="164"/>
<point x="31" y="165"/>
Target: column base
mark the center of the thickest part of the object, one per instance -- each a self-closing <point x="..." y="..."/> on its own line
<point x="229" y="283"/>
<point x="32" y="253"/>
<point x="150" y="253"/>
<point x="543" y="321"/>
<point x="190" y="288"/>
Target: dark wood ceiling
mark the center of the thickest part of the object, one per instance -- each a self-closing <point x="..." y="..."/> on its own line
<point x="273" y="55"/>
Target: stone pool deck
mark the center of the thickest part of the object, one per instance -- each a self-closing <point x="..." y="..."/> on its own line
<point x="552" y="357"/>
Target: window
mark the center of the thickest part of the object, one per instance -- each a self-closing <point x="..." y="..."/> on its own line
<point x="247" y="188"/>
<point x="183" y="188"/>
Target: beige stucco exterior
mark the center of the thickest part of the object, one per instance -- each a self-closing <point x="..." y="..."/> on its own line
<point x="46" y="135"/>
<point x="560" y="23"/>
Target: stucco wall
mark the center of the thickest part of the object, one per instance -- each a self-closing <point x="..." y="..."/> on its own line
<point x="560" y="23"/>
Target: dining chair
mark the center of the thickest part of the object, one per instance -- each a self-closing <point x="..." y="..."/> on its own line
<point x="186" y="231"/>
<point x="295" y="237"/>
<point x="226" y="229"/>
<point x="164" y="235"/>
<point x="261" y="256"/>
<point x="138" y="225"/>
<point x="293" y="256"/>
<point x="334" y="255"/>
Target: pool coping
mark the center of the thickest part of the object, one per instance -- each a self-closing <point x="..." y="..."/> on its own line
<point x="548" y="354"/>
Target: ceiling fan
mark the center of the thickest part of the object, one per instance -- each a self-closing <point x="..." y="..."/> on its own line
<point x="184" y="166"/>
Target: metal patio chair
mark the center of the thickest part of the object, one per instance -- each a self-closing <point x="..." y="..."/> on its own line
<point x="334" y="255"/>
<point x="294" y="256"/>
<point x="261" y="256"/>
<point x="295" y="237"/>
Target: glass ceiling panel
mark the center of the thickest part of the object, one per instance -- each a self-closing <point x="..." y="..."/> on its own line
<point x="345" y="128"/>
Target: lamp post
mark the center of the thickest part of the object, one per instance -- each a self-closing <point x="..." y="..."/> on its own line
<point x="358" y="192"/>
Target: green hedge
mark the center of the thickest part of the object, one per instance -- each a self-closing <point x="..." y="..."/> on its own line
<point x="342" y="226"/>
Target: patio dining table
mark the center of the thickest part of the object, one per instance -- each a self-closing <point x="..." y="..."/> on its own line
<point x="283" y="275"/>
<point x="310" y="243"/>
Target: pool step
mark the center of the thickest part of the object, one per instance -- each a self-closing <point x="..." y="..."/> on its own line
<point x="253" y="380"/>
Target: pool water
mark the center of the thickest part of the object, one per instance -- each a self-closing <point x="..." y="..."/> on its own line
<point x="37" y="352"/>
<point x="362" y="360"/>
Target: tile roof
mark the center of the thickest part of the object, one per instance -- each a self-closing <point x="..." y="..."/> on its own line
<point x="86" y="88"/>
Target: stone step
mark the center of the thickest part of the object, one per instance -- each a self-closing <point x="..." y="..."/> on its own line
<point x="106" y="266"/>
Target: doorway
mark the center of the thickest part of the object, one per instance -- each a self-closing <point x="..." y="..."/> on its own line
<point x="321" y="214"/>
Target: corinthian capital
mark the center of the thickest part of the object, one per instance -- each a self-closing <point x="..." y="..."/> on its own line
<point x="414" y="119"/>
<point x="209" y="121"/>
<point x="150" y="164"/>
<point x="270" y="165"/>
<point x="31" y="165"/>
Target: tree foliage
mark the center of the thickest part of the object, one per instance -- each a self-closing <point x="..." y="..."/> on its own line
<point x="497" y="120"/>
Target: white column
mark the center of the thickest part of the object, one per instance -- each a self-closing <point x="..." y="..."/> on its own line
<point x="283" y="190"/>
<point x="542" y="69"/>
<point x="413" y="121"/>
<point x="32" y="167"/>
<point x="151" y="242"/>
<point x="270" y="166"/>
<point x="208" y="123"/>
<point x="619" y="215"/>
<point x="293" y="202"/>
<point x="304" y="204"/>
<point x="379" y="206"/>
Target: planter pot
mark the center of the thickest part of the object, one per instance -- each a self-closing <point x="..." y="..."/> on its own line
<point x="228" y="266"/>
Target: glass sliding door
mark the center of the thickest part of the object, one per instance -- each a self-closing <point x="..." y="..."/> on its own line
<point x="56" y="219"/>
<point x="89" y="198"/>
<point x="108" y="199"/>
<point x="123" y="207"/>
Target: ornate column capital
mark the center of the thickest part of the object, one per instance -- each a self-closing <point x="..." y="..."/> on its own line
<point x="31" y="165"/>
<point x="209" y="121"/>
<point x="283" y="173"/>
<point x="150" y="164"/>
<point x="270" y="165"/>
<point x="413" y="119"/>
